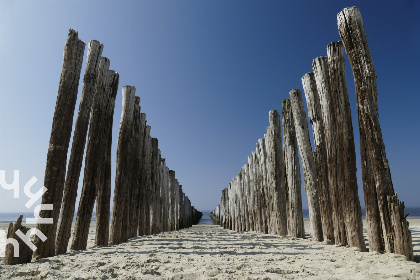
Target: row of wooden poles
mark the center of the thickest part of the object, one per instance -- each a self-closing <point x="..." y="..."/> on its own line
<point x="148" y="199"/>
<point x="265" y="196"/>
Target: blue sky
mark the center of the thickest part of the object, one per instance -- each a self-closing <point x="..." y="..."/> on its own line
<point x="207" y="72"/>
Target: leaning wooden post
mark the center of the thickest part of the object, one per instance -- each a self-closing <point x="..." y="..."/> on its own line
<point x="94" y="155"/>
<point x="55" y="170"/>
<point x="308" y="165"/>
<point x="277" y="203"/>
<point x="351" y="30"/>
<point x="291" y="159"/>
<point x="346" y="154"/>
<point x="144" y="225"/>
<point x="373" y="219"/>
<point x="139" y="125"/>
<point x="103" y="180"/>
<point x="154" y="163"/>
<point x="320" y="154"/>
<point x="19" y="246"/>
<point x="328" y="104"/>
<point x="122" y="167"/>
<point x="172" y="184"/>
<point x="142" y="176"/>
<point x="123" y="154"/>
<point x="78" y="147"/>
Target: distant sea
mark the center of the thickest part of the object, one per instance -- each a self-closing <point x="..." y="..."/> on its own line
<point x="6" y="218"/>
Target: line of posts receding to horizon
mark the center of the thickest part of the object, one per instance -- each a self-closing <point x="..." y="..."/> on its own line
<point x="148" y="199"/>
<point x="265" y="196"/>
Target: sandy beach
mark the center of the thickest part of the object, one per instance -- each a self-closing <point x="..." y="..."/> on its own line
<point x="210" y="252"/>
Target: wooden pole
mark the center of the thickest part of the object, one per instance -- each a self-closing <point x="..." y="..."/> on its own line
<point x="277" y="195"/>
<point x="291" y="159"/>
<point x="122" y="178"/>
<point x="103" y="180"/>
<point x="328" y="103"/>
<point x="308" y="165"/>
<point x="78" y="147"/>
<point x="320" y="154"/>
<point x="95" y="152"/>
<point x="346" y="154"/>
<point x="351" y="30"/>
<point x="55" y="170"/>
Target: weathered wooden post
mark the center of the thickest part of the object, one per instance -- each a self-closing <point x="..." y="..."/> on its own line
<point x="246" y="197"/>
<point x="25" y="253"/>
<point x="95" y="150"/>
<point x="402" y="235"/>
<point x="122" y="178"/>
<point x="327" y="104"/>
<point x="172" y="186"/>
<point x="139" y="126"/>
<point x="144" y="226"/>
<point x="308" y="166"/>
<point x="320" y="154"/>
<point x="78" y="147"/>
<point x="154" y="162"/>
<point x="262" y="171"/>
<point x="351" y="30"/>
<point x="251" y="196"/>
<point x="103" y="180"/>
<point x="55" y="170"/>
<point x="291" y="159"/>
<point x="346" y="154"/>
<point x="277" y="202"/>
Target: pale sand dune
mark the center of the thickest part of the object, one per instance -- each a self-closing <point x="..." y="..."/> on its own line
<point x="209" y="252"/>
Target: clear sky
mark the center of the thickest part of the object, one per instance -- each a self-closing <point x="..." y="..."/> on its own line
<point x="207" y="72"/>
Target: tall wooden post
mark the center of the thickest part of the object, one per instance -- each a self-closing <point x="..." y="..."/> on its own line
<point x="123" y="153"/>
<point x="78" y="147"/>
<point x="172" y="186"/>
<point x="351" y="30"/>
<point x="320" y="154"/>
<point x="277" y="202"/>
<point x="346" y="154"/>
<point x="139" y="126"/>
<point x="55" y="170"/>
<point x="291" y="159"/>
<point x="103" y="180"/>
<point x="94" y="154"/>
<point x="154" y="162"/>
<point x="308" y="165"/>
<point x="328" y="103"/>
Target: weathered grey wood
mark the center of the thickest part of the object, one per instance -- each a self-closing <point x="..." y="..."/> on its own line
<point x="78" y="146"/>
<point x="146" y="182"/>
<point x="94" y="151"/>
<point x="277" y="202"/>
<point x="346" y="154"/>
<point x="122" y="178"/>
<point x="172" y="186"/>
<point x="292" y="168"/>
<point x="143" y="176"/>
<point x="308" y="166"/>
<point x="131" y="168"/>
<point x="139" y="123"/>
<point x="55" y="170"/>
<point x="373" y="220"/>
<point x="328" y="103"/>
<point x="154" y="182"/>
<point x="103" y="179"/>
<point x="320" y="153"/>
<point x="351" y="30"/>
<point x="25" y="253"/>
<point x="403" y="244"/>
